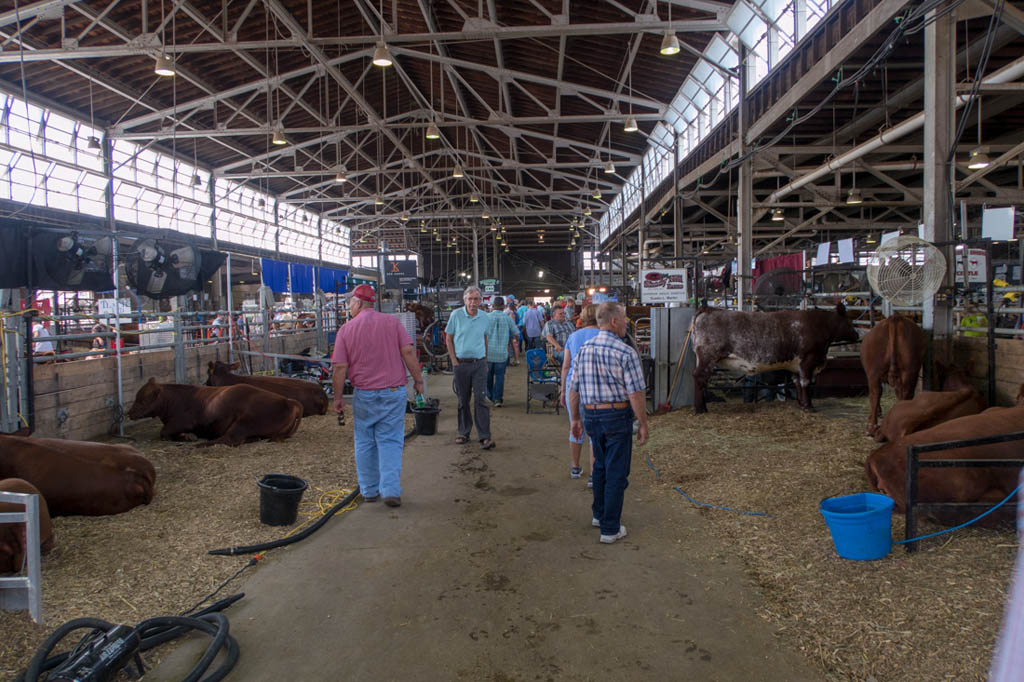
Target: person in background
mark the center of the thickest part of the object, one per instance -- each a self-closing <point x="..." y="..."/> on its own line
<point x="219" y="326"/>
<point x="608" y="383"/>
<point x="556" y="332"/>
<point x="1008" y="660"/>
<point x="572" y="347"/>
<point x="374" y="351"/>
<point x="521" y="321"/>
<point x="533" y="324"/>
<point x="41" y="330"/>
<point x="466" y="338"/>
<point x="500" y="333"/>
<point x="510" y="310"/>
<point x="975" y="317"/>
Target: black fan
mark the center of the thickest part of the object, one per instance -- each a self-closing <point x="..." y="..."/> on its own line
<point x="60" y="261"/>
<point x="779" y="288"/>
<point x="161" y="269"/>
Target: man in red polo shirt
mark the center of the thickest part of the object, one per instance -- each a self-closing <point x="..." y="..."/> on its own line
<point x="374" y="350"/>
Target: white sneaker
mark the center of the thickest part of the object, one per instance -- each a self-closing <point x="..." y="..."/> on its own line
<point x="609" y="539"/>
<point x="595" y="523"/>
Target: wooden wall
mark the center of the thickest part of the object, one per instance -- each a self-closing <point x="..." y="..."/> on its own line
<point x="78" y="399"/>
<point x="971" y="354"/>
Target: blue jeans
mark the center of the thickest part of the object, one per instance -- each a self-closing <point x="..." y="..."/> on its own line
<point x="496" y="380"/>
<point x="379" y="428"/>
<point x="611" y="435"/>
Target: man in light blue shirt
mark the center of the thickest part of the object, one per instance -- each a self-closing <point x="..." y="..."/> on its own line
<point x="502" y="330"/>
<point x="533" y="324"/>
<point x="466" y="338"/>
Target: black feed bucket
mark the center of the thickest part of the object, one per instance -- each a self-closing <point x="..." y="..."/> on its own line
<point x="280" y="495"/>
<point x="426" y="420"/>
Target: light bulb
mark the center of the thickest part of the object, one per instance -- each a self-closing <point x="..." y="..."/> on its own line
<point x="381" y="56"/>
<point x="669" y="44"/>
<point x="432" y="132"/>
<point x="164" y="66"/>
<point x="630" y="126"/>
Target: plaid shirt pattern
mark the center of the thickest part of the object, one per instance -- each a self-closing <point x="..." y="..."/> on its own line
<point x="499" y="335"/>
<point x="559" y="330"/>
<point x="606" y="370"/>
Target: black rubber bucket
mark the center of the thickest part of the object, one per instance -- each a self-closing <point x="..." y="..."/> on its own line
<point x="426" y="420"/>
<point x="280" y="495"/>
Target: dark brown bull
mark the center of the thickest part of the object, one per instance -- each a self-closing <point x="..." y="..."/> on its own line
<point x="424" y="315"/>
<point x="227" y="415"/>
<point x="928" y="409"/>
<point x="891" y="353"/>
<point x="794" y="340"/>
<point x="886" y="467"/>
<point x="13" y="541"/>
<point x="311" y="396"/>
<point x="78" y="477"/>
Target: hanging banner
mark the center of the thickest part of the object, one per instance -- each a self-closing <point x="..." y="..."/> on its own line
<point x="488" y="286"/>
<point x="663" y="286"/>
<point x="977" y="266"/>
<point x="400" y="274"/>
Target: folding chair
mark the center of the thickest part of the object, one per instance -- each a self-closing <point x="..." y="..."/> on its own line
<point x="542" y="383"/>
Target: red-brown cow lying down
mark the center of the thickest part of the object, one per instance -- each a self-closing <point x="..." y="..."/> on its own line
<point x="795" y="340"/>
<point x="311" y="396"/>
<point x="228" y="415"/>
<point x="887" y="466"/>
<point x="78" y="477"/>
<point x="13" y="544"/>
<point x="928" y="409"/>
<point x="891" y="353"/>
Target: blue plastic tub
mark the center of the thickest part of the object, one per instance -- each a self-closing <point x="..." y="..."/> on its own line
<point x="861" y="525"/>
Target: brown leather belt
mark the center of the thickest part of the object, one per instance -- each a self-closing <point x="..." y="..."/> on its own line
<point x="607" y="406"/>
<point x="468" y="360"/>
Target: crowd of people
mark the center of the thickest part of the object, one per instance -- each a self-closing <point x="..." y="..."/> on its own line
<point x="602" y="387"/>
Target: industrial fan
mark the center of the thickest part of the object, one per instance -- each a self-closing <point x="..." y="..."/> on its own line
<point x="161" y="269"/>
<point x="906" y="270"/>
<point x="779" y="288"/>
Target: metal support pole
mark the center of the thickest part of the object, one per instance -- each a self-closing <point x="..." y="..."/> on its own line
<point x="939" y="123"/>
<point x="476" y="257"/>
<point x="108" y="196"/>
<point x="677" y="237"/>
<point x="744" y="202"/>
<point x="231" y="315"/>
<point x="641" y="229"/>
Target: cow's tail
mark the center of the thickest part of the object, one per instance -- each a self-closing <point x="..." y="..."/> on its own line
<point x="892" y="352"/>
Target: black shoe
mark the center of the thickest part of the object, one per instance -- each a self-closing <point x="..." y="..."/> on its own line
<point x="393" y="501"/>
<point x="372" y="498"/>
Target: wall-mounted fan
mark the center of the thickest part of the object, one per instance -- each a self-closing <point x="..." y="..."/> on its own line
<point x="160" y="269"/>
<point x="906" y="270"/>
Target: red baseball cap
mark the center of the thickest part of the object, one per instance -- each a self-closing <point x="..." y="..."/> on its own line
<point x="364" y="292"/>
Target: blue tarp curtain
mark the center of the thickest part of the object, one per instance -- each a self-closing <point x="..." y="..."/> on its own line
<point x="328" y="278"/>
<point x="275" y="275"/>
<point x="302" y="278"/>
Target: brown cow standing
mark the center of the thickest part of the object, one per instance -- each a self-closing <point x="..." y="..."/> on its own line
<point x="886" y="467"/>
<point x="311" y="396"/>
<point x="926" y="410"/>
<point x="77" y="477"/>
<point x="228" y="415"/>
<point x="891" y="353"/>
<point x="13" y="541"/>
<point x="795" y="340"/>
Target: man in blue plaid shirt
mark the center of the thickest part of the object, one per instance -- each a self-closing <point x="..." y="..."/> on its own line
<point x="607" y="380"/>
<point x="501" y="331"/>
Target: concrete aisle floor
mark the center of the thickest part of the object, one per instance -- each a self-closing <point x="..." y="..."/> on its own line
<point x="491" y="570"/>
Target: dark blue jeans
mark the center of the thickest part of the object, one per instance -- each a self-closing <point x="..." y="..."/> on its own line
<point x="611" y="435"/>
<point x="496" y="380"/>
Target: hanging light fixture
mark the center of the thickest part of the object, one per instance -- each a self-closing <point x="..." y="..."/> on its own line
<point x="423" y="228"/>
<point x="278" y="137"/>
<point x="433" y="133"/>
<point x="609" y="167"/>
<point x="978" y="159"/>
<point x="586" y="211"/>
<point x="378" y="200"/>
<point x="381" y="56"/>
<point x="404" y="217"/>
<point x="196" y="180"/>
<point x="778" y="215"/>
<point x="341" y="176"/>
<point x="854" y="197"/>
<point x="669" y="44"/>
<point x="484" y="215"/>
<point x="94" y="142"/>
<point x="494" y="228"/>
<point x="474" y="198"/>
<point x="458" y="172"/>
<point x="164" y="66"/>
<point x="630" y="126"/>
<point x="596" y="194"/>
<point x="437" y="237"/>
<point x="870" y="240"/>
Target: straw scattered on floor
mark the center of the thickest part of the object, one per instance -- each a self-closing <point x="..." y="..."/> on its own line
<point x="933" y="615"/>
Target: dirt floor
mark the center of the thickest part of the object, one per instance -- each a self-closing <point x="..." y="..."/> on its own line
<point x="888" y="620"/>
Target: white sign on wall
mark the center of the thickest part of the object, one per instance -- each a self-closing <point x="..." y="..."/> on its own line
<point x="977" y="266"/>
<point x="105" y="310"/>
<point x="663" y="286"/>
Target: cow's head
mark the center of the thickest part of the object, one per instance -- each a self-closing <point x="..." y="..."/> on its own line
<point x="844" y="331"/>
<point x="216" y="369"/>
<point x="146" y="400"/>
